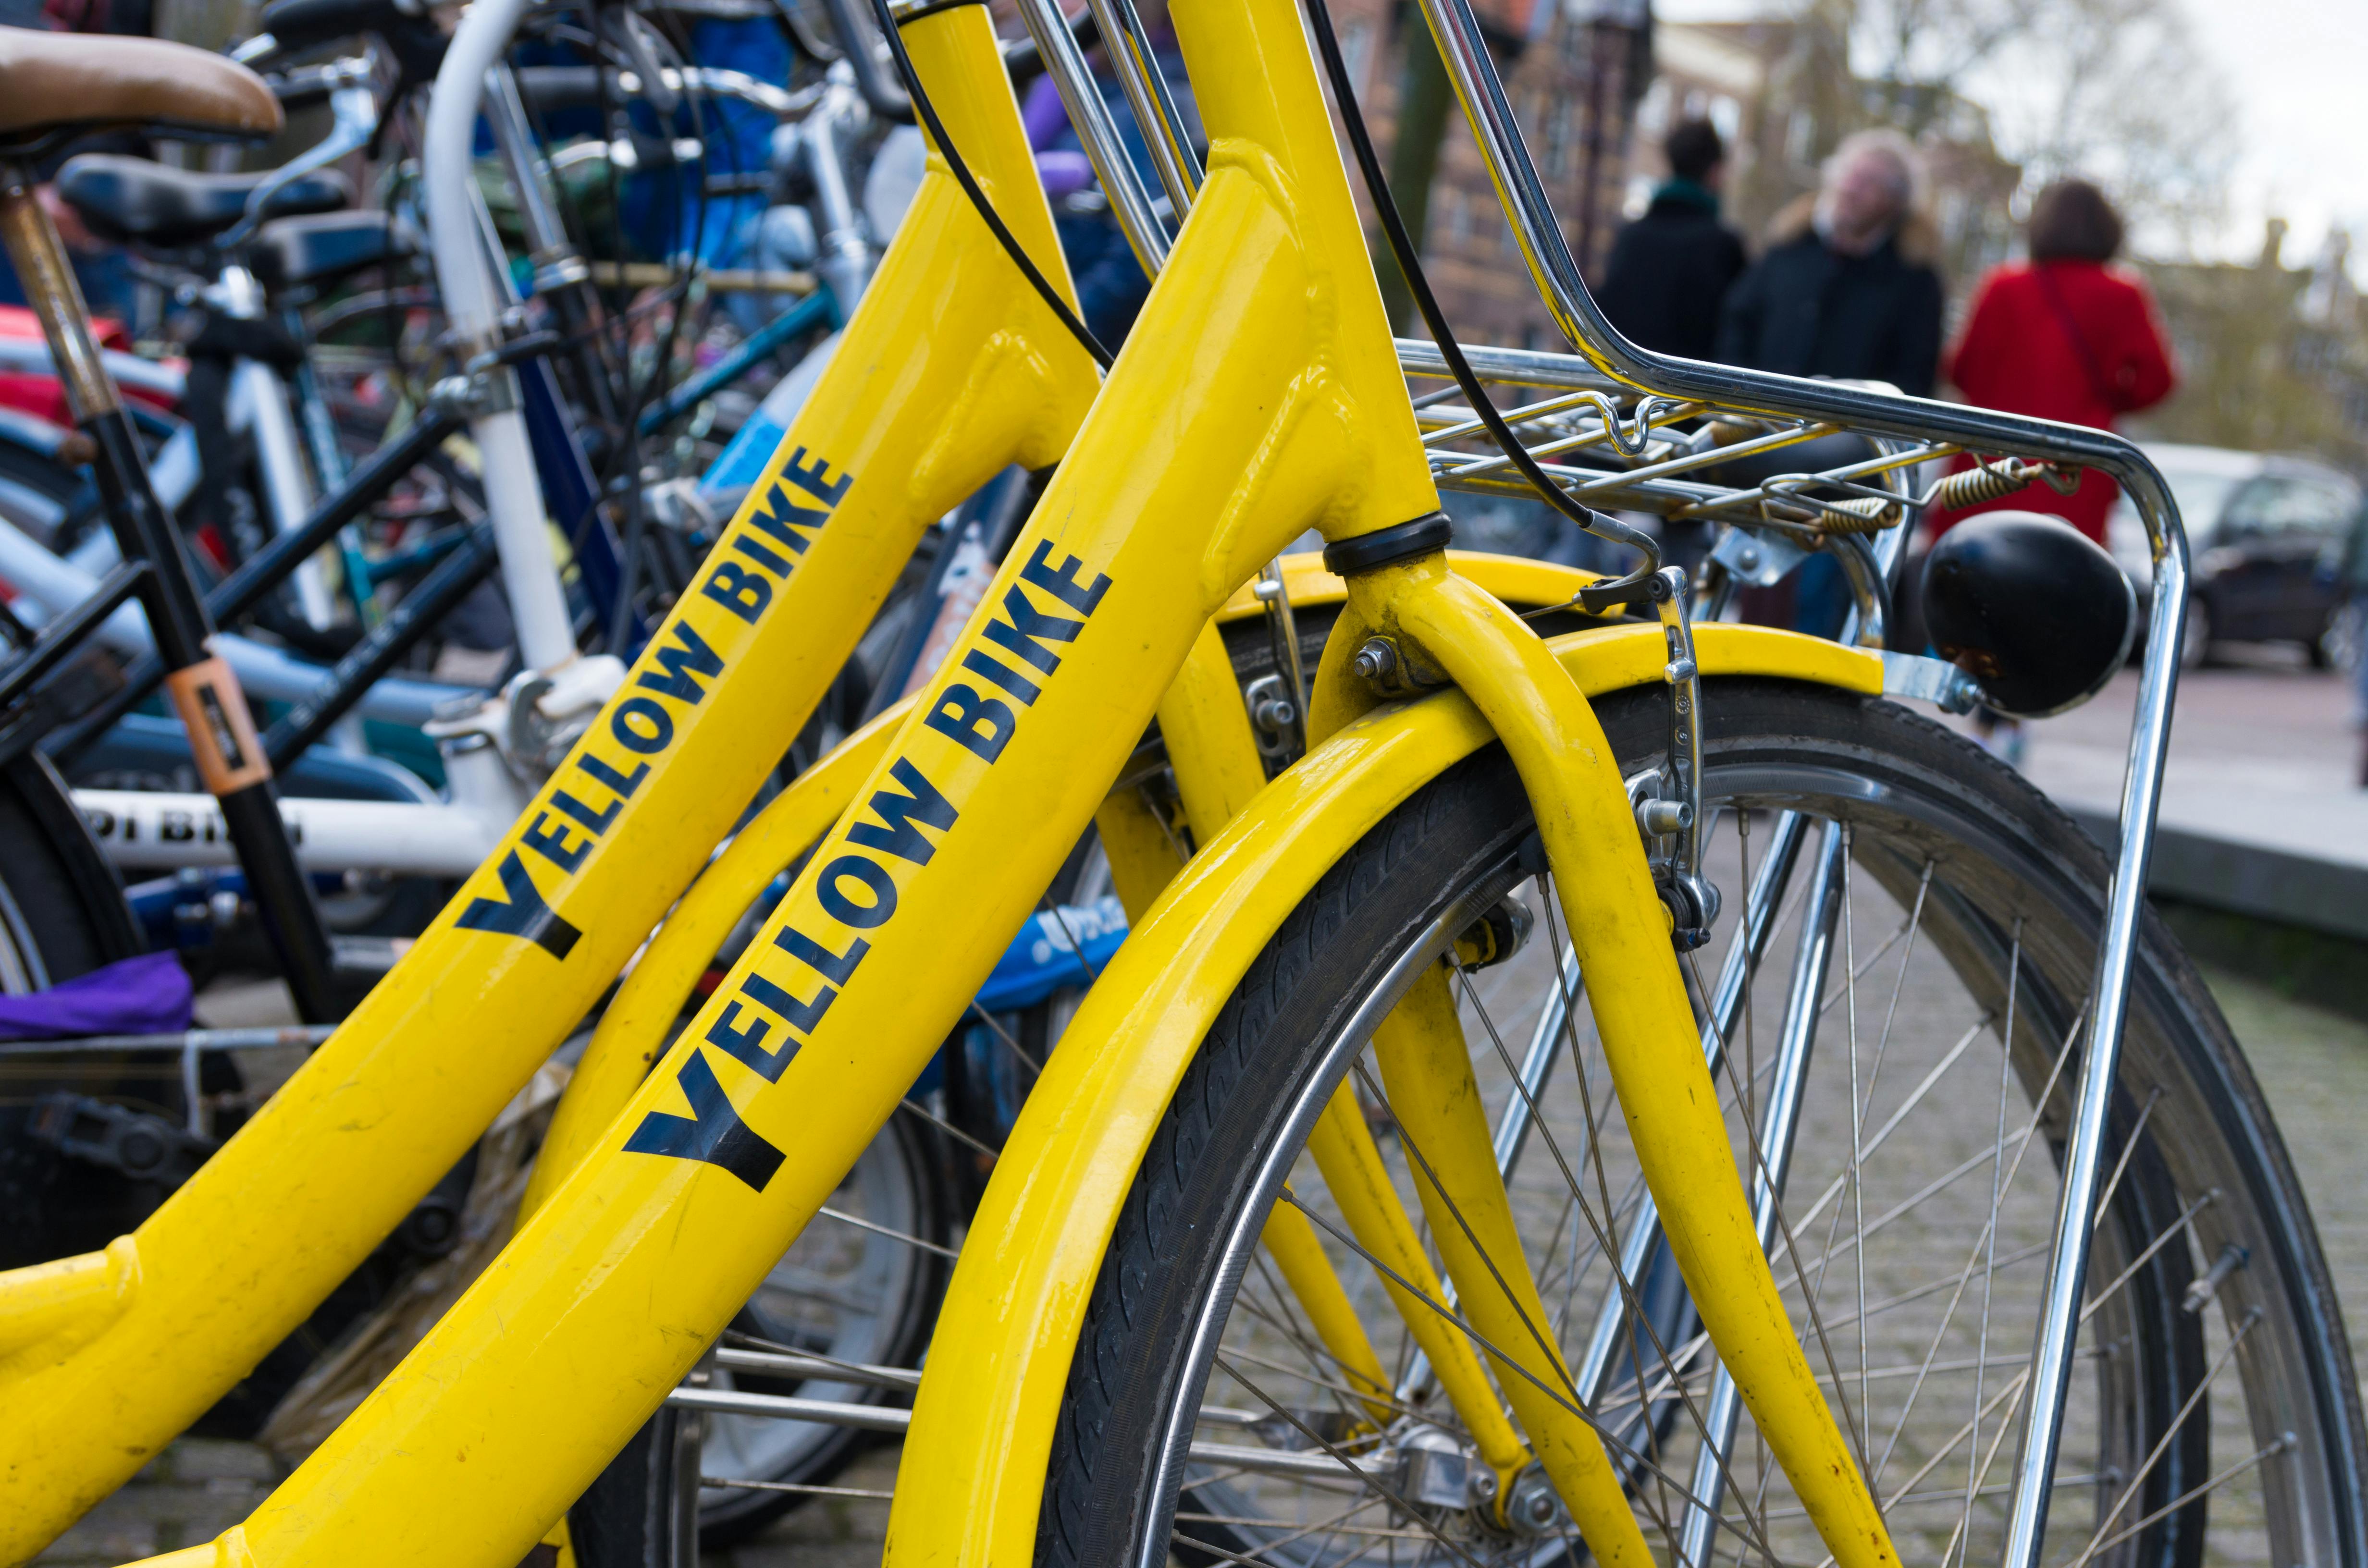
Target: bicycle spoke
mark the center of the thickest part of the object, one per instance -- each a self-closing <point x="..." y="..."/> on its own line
<point x="947" y="1128"/>
<point x="1998" y="1189"/>
<point x="2284" y="1441"/>
<point x="1913" y="1351"/>
<point x="1611" y="1440"/>
<point x="2162" y="1446"/>
<point x="1004" y="1035"/>
<point x="828" y="1213"/>
<point x="1317" y="1440"/>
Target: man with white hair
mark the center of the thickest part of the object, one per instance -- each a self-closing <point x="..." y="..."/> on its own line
<point x="1847" y="288"/>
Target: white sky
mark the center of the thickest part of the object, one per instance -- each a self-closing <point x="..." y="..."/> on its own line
<point x="2297" y="72"/>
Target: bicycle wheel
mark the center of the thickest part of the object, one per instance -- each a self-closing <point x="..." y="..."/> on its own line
<point x="62" y="915"/>
<point x="868" y="1295"/>
<point x="2214" y="1418"/>
<point x="862" y="1286"/>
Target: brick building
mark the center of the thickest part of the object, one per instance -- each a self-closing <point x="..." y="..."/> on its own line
<point x="1573" y="70"/>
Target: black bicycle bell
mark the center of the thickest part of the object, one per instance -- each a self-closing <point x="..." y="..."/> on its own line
<point x="2031" y="608"/>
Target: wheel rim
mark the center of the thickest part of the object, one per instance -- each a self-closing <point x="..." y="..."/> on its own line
<point x="1934" y="1389"/>
<point x="842" y="1291"/>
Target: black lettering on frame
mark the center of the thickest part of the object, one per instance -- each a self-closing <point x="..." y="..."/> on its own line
<point x="981" y="723"/>
<point x="712" y="1133"/>
<point x="746" y="1044"/>
<point x="760" y="555"/>
<point x="875" y="879"/>
<point x="521" y="913"/>
<point x="800" y="1016"/>
<point x="815" y="478"/>
<point x="630" y="736"/>
<point x="979" y="662"/>
<point x="1061" y="581"/>
<point x="739" y="590"/>
<point x="594" y="821"/>
<point x="623" y="783"/>
<point x="549" y="840"/>
<point x="837" y="967"/>
<point x="921" y="802"/>
<point x="1030" y="631"/>
<point x="681" y="664"/>
<point x="781" y="523"/>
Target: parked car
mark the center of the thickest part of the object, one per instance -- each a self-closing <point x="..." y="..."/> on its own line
<point x="2266" y="535"/>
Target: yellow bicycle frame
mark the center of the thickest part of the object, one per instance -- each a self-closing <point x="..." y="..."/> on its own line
<point x="974" y="1460"/>
<point x="1257" y="397"/>
<point x="951" y="369"/>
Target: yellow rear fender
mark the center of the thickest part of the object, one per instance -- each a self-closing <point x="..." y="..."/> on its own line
<point x="973" y="1470"/>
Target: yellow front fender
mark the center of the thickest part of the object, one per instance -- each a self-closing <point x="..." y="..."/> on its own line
<point x="1519" y="580"/>
<point x="973" y="1473"/>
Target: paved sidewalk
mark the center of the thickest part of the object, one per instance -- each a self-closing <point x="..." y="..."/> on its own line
<point x="2312" y="1065"/>
<point x="189" y="1493"/>
<point x="2261" y="811"/>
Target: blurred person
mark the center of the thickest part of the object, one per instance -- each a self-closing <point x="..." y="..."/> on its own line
<point x="1671" y="269"/>
<point x="2065" y="336"/>
<point x="1847" y="288"/>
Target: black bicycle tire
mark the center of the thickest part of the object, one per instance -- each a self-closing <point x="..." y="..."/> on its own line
<point x="1128" y="1370"/>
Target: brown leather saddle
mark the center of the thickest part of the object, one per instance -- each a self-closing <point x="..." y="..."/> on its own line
<point x="53" y="83"/>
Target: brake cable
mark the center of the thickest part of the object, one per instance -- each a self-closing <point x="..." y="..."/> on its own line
<point x="937" y="130"/>
<point x="1597" y="597"/>
<point x="1692" y="900"/>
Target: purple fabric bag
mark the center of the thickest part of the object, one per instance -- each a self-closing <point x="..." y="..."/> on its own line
<point x="148" y="994"/>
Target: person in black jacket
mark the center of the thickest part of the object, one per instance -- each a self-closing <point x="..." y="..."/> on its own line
<point x="1671" y="267"/>
<point x="1847" y="288"/>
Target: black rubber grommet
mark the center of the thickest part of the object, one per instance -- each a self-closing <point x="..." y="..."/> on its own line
<point x="1346" y="557"/>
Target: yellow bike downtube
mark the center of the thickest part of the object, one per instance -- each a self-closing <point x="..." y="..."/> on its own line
<point x="1256" y="392"/>
<point x="951" y="369"/>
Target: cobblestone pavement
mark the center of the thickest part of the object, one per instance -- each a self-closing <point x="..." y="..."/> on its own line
<point x="192" y="1491"/>
<point x="2312" y="1065"/>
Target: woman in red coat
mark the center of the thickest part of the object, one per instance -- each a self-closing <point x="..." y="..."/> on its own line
<point x="2063" y="336"/>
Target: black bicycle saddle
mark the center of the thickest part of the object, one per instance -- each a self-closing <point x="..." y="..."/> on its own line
<point x="135" y="202"/>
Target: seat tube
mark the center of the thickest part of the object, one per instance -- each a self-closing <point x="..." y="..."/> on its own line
<point x="561" y="275"/>
<point x="258" y="401"/>
<point x="229" y="756"/>
<point x="529" y="570"/>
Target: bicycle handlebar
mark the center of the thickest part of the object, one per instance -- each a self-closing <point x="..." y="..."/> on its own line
<point x="882" y="94"/>
<point x="417" y="43"/>
<point x="555" y="87"/>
